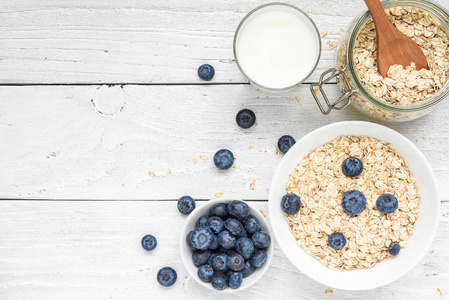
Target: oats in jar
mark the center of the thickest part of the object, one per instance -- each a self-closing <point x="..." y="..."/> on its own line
<point x="405" y="86"/>
<point x="320" y="183"/>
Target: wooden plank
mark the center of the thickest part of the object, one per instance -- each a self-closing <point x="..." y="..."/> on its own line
<point x="56" y="144"/>
<point x="91" y="250"/>
<point x="159" y="41"/>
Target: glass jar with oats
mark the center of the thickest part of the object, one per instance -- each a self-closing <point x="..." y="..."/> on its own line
<point x="406" y="93"/>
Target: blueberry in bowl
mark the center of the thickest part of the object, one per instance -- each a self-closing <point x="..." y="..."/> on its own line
<point x="235" y="263"/>
<point x="353" y="202"/>
<point x="352" y="167"/>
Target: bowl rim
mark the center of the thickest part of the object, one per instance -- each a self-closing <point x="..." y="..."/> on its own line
<point x="277" y="228"/>
<point x="182" y="244"/>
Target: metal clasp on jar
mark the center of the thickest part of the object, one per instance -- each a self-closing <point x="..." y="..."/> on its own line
<point x="343" y="101"/>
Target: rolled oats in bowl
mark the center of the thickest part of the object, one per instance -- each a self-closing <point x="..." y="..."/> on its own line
<point x="320" y="183"/>
<point x="405" y="86"/>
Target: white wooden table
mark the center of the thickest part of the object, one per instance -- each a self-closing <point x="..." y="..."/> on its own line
<point x="96" y="95"/>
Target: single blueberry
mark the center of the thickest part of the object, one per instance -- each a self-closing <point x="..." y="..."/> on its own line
<point x="238" y="209"/>
<point x="226" y="240"/>
<point x="234" y="226"/>
<point x="186" y="205"/>
<point x="248" y="269"/>
<point x="251" y="225"/>
<point x="354" y="202"/>
<point x="219" y="282"/>
<point x="259" y="258"/>
<point x="149" y="242"/>
<point x="336" y="241"/>
<point x="206" y="72"/>
<point x="285" y="143"/>
<point x="245" y="118"/>
<point x="200" y="257"/>
<point x="234" y="279"/>
<point x="202" y="221"/>
<point x="211" y="258"/>
<point x="223" y="159"/>
<point x="290" y="204"/>
<point x="245" y="247"/>
<point x="219" y="210"/>
<point x="189" y="241"/>
<point x="215" y="243"/>
<point x="206" y="272"/>
<point x="235" y="262"/>
<point x="167" y="276"/>
<point x="352" y="167"/>
<point x="387" y="203"/>
<point x="201" y="238"/>
<point x="394" y="249"/>
<point x="216" y="224"/>
<point x="261" y="239"/>
<point x="219" y="263"/>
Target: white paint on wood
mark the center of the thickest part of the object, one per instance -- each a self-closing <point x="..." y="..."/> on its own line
<point x="91" y="250"/>
<point x="158" y="41"/>
<point x="56" y="145"/>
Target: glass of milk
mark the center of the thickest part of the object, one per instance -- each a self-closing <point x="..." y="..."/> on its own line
<point x="277" y="46"/>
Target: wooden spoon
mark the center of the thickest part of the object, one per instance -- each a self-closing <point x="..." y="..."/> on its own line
<point x="393" y="47"/>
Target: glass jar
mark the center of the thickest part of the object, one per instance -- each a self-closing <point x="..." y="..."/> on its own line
<point x="355" y="93"/>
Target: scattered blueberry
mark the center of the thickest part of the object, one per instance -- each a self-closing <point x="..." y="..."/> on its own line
<point x="219" y="263"/>
<point x="201" y="238"/>
<point x="238" y="209"/>
<point x="245" y="247"/>
<point x="352" y="167"/>
<point x="186" y="205"/>
<point x="226" y="240"/>
<point x="223" y="159"/>
<point x="216" y="224"/>
<point x="259" y="258"/>
<point x="248" y="269"/>
<point x="215" y="243"/>
<point x="251" y="225"/>
<point x="354" y="202"/>
<point x="219" y="282"/>
<point x="234" y="226"/>
<point x="200" y="257"/>
<point x="285" y="143"/>
<point x="261" y="239"/>
<point x="234" y="279"/>
<point x="206" y="272"/>
<point x="245" y="118"/>
<point x="235" y="262"/>
<point x="206" y="72"/>
<point x="394" y="249"/>
<point x="290" y="204"/>
<point x="149" y="242"/>
<point x="202" y="221"/>
<point x="219" y="210"/>
<point x="336" y="241"/>
<point x="189" y="241"/>
<point x="167" y="276"/>
<point x="387" y="203"/>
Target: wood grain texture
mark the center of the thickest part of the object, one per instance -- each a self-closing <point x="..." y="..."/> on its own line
<point x="158" y="41"/>
<point x="56" y="144"/>
<point x="91" y="250"/>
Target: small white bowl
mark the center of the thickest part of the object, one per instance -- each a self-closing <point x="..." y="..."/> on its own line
<point x="186" y="252"/>
<point x="386" y="271"/>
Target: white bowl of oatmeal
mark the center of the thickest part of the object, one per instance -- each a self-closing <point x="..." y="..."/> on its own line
<point x="392" y="164"/>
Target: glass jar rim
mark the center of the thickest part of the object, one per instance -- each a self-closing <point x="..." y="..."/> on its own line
<point x="430" y="7"/>
<point x="242" y="22"/>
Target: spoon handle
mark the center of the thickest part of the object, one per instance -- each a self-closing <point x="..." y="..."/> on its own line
<point x="377" y="11"/>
